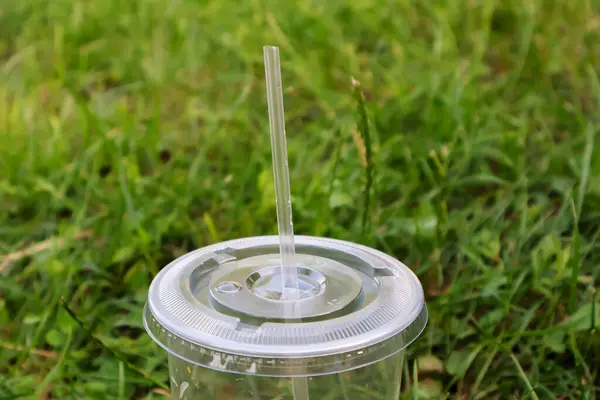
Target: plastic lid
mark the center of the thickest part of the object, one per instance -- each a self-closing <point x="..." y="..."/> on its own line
<point x="220" y="307"/>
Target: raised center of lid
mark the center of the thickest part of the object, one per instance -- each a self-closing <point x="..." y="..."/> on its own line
<point x="267" y="282"/>
<point x="253" y="286"/>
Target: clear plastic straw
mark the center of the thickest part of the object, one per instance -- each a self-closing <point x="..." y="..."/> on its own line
<point x="289" y="274"/>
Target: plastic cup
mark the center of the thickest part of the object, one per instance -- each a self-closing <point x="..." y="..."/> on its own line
<point x="217" y="311"/>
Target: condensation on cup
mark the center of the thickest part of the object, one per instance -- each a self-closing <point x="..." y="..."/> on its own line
<point x="231" y="333"/>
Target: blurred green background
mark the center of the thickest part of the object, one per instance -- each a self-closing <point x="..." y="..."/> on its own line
<point x="132" y="132"/>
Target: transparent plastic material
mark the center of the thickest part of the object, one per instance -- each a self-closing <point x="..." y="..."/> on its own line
<point x="381" y="381"/>
<point x="289" y="277"/>
<point x="221" y="308"/>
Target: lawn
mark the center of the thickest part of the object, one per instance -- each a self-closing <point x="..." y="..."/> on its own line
<point x="132" y="132"/>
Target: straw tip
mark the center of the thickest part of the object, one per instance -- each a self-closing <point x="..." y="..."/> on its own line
<point x="270" y="48"/>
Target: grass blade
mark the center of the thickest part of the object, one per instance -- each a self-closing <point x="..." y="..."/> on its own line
<point x="574" y="260"/>
<point x="415" y="381"/>
<point x="113" y="352"/>
<point x="45" y="385"/>
<point x="366" y="151"/>
<point x="484" y="370"/>
<point x="585" y="165"/>
<point x="121" y="381"/>
<point x="523" y="376"/>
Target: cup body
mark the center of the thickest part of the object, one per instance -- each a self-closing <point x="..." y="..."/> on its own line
<point x="380" y="380"/>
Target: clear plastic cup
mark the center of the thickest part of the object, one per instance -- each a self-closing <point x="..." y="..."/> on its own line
<point x="219" y="314"/>
<point x="376" y="381"/>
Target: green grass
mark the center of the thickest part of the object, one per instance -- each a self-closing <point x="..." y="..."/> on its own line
<point x="132" y="132"/>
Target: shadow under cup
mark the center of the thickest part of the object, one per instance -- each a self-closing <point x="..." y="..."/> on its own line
<point x="231" y="333"/>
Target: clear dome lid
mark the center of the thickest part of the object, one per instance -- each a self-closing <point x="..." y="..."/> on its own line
<point x="221" y="307"/>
